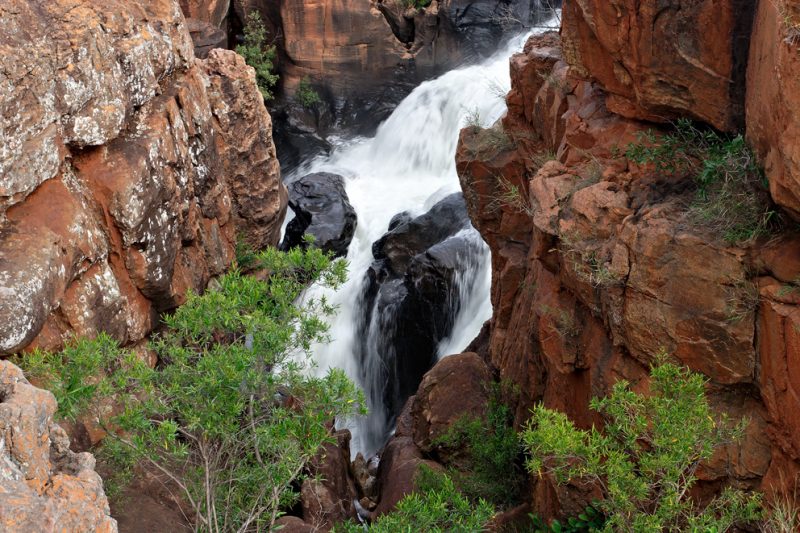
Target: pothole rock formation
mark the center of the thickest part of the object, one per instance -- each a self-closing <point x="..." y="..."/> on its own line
<point x="322" y="209"/>
<point x="127" y="168"/>
<point x="44" y="487"/>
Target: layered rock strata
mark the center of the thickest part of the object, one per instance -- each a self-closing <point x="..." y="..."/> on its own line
<point x="128" y="168"/>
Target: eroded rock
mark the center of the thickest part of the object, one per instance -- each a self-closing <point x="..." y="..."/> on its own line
<point x="43" y="485"/>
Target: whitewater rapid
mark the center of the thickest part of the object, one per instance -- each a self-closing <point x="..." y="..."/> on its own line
<point x="409" y="165"/>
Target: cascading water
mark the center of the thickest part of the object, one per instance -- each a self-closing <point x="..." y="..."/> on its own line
<point x="408" y="166"/>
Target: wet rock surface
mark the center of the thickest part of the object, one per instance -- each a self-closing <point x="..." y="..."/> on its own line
<point x="322" y="210"/>
<point x="411" y="298"/>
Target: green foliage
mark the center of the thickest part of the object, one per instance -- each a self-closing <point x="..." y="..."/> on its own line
<point x="417" y="4"/>
<point x="232" y="415"/>
<point x="306" y="94"/>
<point x="488" y="456"/>
<point x="437" y="507"/>
<point x="589" y="520"/>
<point x="646" y="458"/>
<point x="258" y="54"/>
<point x="731" y="197"/>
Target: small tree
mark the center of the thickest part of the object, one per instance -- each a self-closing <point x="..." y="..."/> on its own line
<point x="258" y="54"/>
<point x="306" y="94"/>
<point x="231" y="416"/>
<point x="645" y="460"/>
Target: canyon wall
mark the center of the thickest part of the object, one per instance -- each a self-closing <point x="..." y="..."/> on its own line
<point x="599" y="265"/>
<point x="128" y="168"/>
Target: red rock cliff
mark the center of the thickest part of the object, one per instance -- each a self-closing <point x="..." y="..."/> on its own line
<point x="127" y="167"/>
<point x="597" y="267"/>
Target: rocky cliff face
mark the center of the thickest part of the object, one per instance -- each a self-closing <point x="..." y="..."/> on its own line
<point x="128" y="167"/>
<point x="363" y="56"/>
<point x="43" y="485"/>
<point x="598" y="266"/>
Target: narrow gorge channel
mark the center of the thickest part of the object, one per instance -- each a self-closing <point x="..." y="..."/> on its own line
<point x="407" y="168"/>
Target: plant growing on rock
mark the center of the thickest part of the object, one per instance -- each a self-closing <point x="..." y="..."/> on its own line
<point x="230" y="416"/>
<point x="731" y="197"/>
<point x="646" y="458"/>
<point x="258" y="54"/>
<point x="306" y="94"/>
<point x="435" y="507"/>
<point x="487" y="465"/>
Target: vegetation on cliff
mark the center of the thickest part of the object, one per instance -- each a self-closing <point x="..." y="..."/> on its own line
<point x="230" y="416"/>
<point x="646" y="457"/>
<point x="258" y="54"/>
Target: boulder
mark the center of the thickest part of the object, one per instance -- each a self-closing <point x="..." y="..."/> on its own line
<point x="410" y="301"/>
<point x="327" y="496"/>
<point x="322" y="209"/>
<point x="43" y="485"/>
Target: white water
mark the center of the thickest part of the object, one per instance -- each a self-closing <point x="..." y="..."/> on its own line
<point x="408" y="166"/>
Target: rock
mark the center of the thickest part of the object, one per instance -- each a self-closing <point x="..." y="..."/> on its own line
<point x="205" y="37"/>
<point x="293" y="524"/>
<point x="773" y="102"/>
<point x="212" y="12"/>
<point x="660" y="61"/>
<point x="400" y="463"/>
<point x="603" y="267"/>
<point x="327" y="496"/>
<point x="411" y="300"/>
<point x="458" y="386"/>
<point x="364" y="474"/>
<point x="156" y="161"/>
<point x="322" y="209"/>
<point x="43" y="485"/>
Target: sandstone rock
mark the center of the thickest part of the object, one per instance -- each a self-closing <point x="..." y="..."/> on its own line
<point x="213" y="12"/>
<point x="773" y="102"/>
<point x="293" y="524"/>
<point x="660" y="62"/>
<point x="155" y="160"/>
<point x="322" y="209"/>
<point x="601" y="268"/>
<point x="43" y="485"/>
<point x="327" y="496"/>
<point x="400" y="463"/>
<point x="205" y="37"/>
<point x="455" y="387"/>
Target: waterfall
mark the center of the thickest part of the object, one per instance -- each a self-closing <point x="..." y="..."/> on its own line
<point x="408" y="165"/>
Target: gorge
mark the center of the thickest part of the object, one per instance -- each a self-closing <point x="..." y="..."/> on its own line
<point x="489" y="169"/>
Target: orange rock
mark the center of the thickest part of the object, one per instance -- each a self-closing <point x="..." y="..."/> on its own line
<point x="660" y="62"/>
<point x="773" y="101"/>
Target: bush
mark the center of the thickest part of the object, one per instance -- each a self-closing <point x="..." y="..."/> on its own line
<point x="488" y="456"/>
<point x="646" y="458"/>
<point x="258" y="54"/>
<point x="438" y="507"/>
<point x="306" y="94"/>
<point x="732" y="197"/>
<point x="587" y="521"/>
<point x="231" y="416"/>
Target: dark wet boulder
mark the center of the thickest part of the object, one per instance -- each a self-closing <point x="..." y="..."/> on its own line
<point x="413" y="293"/>
<point x="321" y="209"/>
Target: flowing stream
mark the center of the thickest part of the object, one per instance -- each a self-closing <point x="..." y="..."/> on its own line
<point x="408" y="166"/>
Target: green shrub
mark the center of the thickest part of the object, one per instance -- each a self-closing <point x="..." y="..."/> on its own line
<point x="437" y="507"/>
<point x="231" y="416"/>
<point x="645" y="460"/>
<point x="306" y="94"/>
<point x="488" y="456"/>
<point x="258" y="54"/>
<point x="417" y="4"/>
<point x="589" y="520"/>
<point x="731" y="198"/>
